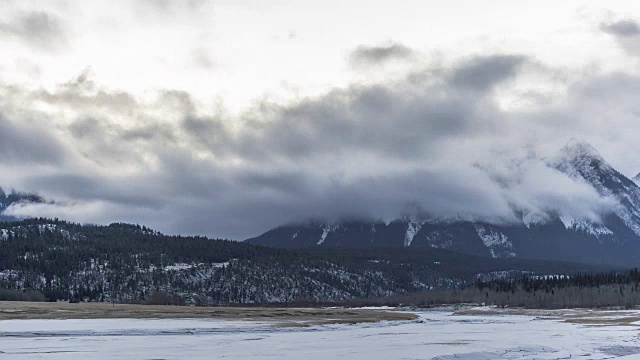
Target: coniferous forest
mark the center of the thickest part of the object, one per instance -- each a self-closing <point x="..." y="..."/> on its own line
<point x="44" y="259"/>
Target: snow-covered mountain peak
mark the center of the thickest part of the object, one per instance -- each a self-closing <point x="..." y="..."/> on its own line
<point x="579" y="157"/>
<point x="576" y="150"/>
<point x="636" y="178"/>
<point x="581" y="160"/>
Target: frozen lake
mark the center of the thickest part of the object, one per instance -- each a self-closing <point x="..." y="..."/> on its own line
<point x="438" y="334"/>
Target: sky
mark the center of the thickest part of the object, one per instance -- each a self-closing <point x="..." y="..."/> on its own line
<point x="227" y="118"/>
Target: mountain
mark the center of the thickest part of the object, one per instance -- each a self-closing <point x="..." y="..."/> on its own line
<point x="132" y="264"/>
<point x="614" y="240"/>
<point x="14" y="197"/>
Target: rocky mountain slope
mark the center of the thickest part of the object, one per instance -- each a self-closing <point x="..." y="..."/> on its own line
<point x="615" y="239"/>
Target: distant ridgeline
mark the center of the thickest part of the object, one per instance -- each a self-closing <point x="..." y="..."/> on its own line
<point x="134" y="264"/>
<point x="7" y="200"/>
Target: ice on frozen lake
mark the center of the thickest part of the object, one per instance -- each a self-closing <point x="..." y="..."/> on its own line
<point x="438" y="334"/>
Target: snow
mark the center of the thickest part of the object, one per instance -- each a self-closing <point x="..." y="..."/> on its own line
<point x="437" y="335"/>
<point x="178" y="267"/>
<point x="582" y="162"/>
<point x="630" y="214"/>
<point x="440" y="239"/>
<point x="579" y="149"/>
<point x="325" y="231"/>
<point x="4" y="234"/>
<point x="413" y="227"/>
<point x="497" y="243"/>
<point x="597" y="230"/>
<point x="501" y="274"/>
<point x="184" y="266"/>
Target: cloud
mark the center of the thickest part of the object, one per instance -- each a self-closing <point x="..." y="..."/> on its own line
<point x="622" y="28"/>
<point x="539" y="191"/>
<point x="365" y="55"/>
<point x="481" y="73"/>
<point x="435" y="141"/>
<point x="26" y="143"/>
<point x="87" y="188"/>
<point x="167" y="4"/>
<point x="202" y="58"/>
<point x="626" y="33"/>
<point x="40" y="30"/>
<point x="399" y="119"/>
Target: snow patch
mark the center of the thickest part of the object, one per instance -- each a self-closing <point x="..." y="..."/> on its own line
<point x="184" y="266"/>
<point x="325" y="231"/>
<point x="440" y="239"/>
<point x="4" y="234"/>
<point x="413" y="227"/>
<point x="596" y="230"/>
<point x="178" y="267"/>
<point x="497" y="243"/>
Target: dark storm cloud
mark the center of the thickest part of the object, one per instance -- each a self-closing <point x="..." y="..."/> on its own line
<point x="40" y="30"/>
<point x="626" y="33"/>
<point x="481" y="73"/>
<point x="23" y="143"/>
<point x="622" y="28"/>
<point x="371" y="55"/>
<point x="285" y="182"/>
<point x="399" y="119"/>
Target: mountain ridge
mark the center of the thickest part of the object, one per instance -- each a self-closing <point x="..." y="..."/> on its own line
<point x="612" y="238"/>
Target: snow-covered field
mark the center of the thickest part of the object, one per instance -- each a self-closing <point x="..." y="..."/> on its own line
<point x="439" y="334"/>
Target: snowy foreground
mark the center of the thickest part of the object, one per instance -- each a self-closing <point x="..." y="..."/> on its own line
<point x="438" y="334"/>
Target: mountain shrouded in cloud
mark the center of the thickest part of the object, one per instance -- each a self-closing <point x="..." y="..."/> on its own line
<point x="613" y="236"/>
<point x="148" y="137"/>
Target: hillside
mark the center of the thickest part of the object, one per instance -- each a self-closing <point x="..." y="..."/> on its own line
<point x="132" y="264"/>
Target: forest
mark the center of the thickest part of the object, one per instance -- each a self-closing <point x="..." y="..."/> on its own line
<point x="604" y="289"/>
<point x="129" y="263"/>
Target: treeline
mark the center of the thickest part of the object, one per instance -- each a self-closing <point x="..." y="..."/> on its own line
<point x="579" y="290"/>
<point x="24" y="295"/>
<point x="553" y="282"/>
